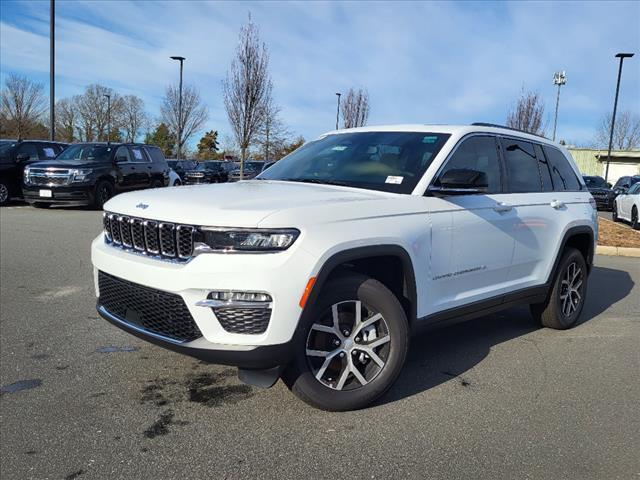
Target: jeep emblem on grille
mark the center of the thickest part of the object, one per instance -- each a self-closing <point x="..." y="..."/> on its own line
<point x="143" y="206"/>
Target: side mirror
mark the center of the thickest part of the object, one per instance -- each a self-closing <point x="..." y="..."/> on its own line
<point x="460" y="181"/>
<point x="609" y="185"/>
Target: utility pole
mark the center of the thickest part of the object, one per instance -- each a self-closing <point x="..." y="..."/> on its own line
<point x="621" y="56"/>
<point x="338" y="110"/>
<point x="108" y="117"/>
<point x="266" y="152"/>
<point x="181" y="60"/>
<point x="559" y="79"/>
<point x="52" y="70"/>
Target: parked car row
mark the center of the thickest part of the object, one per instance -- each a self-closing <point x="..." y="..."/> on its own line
<point x="626" y="205"/>
<point x="605" y="194"/>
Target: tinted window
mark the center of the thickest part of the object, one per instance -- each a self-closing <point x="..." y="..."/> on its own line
<point x="122" y="155"/>
<point x="156" y="154"/>
<point x="545" y="169"/>
<point x="523" y="174"/>
<point x="90" y="153"/>
<point x="27" y="149"/>
<point x="47" y="151"/>
<point x="623" y="181"/>
<point x="595" y="182"/>
<point x="138" y="155"/>
<point x="388" y="161"/>
<point x="635" y="189"/>
<point x="564" y="178"/>
<point x="477" y="158"/>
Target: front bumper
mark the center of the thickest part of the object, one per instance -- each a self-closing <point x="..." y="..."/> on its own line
<point x="252" y="357"/>
<point x="282" y="275"/>
<point x="64" y="195"/>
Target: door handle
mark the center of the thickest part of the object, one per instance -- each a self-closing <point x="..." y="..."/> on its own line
<point x="557" y="204"/>
<point x="502" y="207"/>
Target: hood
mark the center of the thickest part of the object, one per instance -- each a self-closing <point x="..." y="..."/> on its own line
<point x="68" y="164"/>
<point x="599" y="189"/>
<point x="241" y="204"/>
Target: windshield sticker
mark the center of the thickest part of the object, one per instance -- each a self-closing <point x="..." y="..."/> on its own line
<point x="49" y="152"/>
<point x="430" y="139"/>
<point x="393" y="179"/>
<point x="137" y="154"/>
<point x="339" y="148"/>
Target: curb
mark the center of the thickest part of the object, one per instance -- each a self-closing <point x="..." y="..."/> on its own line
<point x="618" y="251"/>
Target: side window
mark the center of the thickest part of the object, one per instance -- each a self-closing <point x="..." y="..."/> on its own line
<point x="564" y="178"/>
<point x="523" y="174"/>
<point x="156" y="154"/>
<point x="138" y="155"/>
<point x="545" y="170"/>
<point x="47" y="151"/>
<point x="623" y="181"/>
<point x="476" y="159"/>
<point x="28" y="151"/>
<point x="635" y="189"/>
<point x="122" y="155"/>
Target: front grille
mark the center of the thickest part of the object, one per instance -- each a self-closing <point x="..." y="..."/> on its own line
<point x="160" y="239"/>
<point x="48" y="177"/>
<point x="243" y="320"/>
<point x="152" y="310"/>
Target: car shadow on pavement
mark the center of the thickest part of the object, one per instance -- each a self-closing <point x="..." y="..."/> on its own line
<point x="446" y="351"/>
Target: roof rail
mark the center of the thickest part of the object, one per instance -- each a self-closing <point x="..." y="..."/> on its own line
<point x="494" y="125"/>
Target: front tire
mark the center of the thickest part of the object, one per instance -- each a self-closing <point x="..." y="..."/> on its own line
<point x="4" y="193"/>
<point x="352" y="346"/>
<point x="635" y="223"/>
<point x="569" y="290"/>
<point x="103" y="192"/>
<point x="614" y="213"/>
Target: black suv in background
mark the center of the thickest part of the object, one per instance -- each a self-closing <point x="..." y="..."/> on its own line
<point x="15" y="155"/>
<point x="251" y="169"/>
<point x="601" y="191"/>
<point x="92" y="173"/>
<point x="181" y="166"/>
<point x="625" y="183"/>
<point x="208" y="172"/>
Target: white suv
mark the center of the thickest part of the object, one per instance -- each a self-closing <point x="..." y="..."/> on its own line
<point x="319" y="270"/>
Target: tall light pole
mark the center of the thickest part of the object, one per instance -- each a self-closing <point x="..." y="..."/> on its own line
<point x="108" y="116"/>
<point x="559" y="79"/>
<point x="338" y="110"/>
<point x="621" y="56"/>
<point x="52" y="70"/>
<point x="181" y="60"/>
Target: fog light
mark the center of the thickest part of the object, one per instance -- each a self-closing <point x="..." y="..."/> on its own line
<point x="240" y="296"/>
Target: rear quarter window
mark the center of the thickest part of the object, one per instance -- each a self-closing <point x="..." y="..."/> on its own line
<point x="156" y="155"/>
<point x="564" y="177"/>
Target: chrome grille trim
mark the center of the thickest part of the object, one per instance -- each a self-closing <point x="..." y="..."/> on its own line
<point x="162" y="240"/>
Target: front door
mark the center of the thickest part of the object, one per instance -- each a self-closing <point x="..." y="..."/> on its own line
<point x="472" y="243"/>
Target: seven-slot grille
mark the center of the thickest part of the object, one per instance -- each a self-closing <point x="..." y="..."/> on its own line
<point x="161" y="239"/>
<point x="155" y="311"/>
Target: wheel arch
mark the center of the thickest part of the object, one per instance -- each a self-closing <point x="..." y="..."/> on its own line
<point x="390" y="264"/>
<point x="581" y="237"/>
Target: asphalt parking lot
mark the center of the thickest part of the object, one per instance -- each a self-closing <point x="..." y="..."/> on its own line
<point x="495" y="397"/>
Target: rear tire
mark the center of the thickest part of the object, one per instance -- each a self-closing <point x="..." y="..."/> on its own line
<point x="354" y="366"/>
<point x="614" y="213"/>
<point x="568" y="293"/>
<point x="635" y="224"/>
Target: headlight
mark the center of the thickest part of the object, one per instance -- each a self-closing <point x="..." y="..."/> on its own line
<point x="245" y="240"/>
<point x="27" y="171"/>
<point x="81" y="174"/>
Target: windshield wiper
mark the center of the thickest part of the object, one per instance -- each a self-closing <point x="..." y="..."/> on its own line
<point x="315" y="180"/>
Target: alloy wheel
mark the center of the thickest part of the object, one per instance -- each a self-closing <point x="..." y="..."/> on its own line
<point x="348" y="346"/>
<point x="4" y="193"/>
<point x="571" y="289"/>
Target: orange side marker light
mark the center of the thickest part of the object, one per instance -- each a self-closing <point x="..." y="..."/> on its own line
<point x="307" y="291"/>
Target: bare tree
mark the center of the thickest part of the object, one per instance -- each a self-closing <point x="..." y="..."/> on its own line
<point x="23" y="105"/>
<point x="272" y="134"/>
<point x="194" y="112"/>
<point x="134" y="117"/>
<point x="66" y="119"/>
<point x="626" y="132"/>
<point x="355" y="108"/>
<point x="528" y="113"/>
<point x="93" y="114"/>
<point x="247" y="89"/>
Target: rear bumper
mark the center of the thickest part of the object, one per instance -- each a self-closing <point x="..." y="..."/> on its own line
<point x="242" y="356"/>
<point x="70" y="195"/>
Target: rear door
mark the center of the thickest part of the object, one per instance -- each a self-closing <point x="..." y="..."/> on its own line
<point x="127" y="170"/>
<point x="143" y="166"/>
<point x="471" y="234"/>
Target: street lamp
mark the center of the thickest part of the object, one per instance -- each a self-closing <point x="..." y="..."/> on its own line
<point x="621" y="56"/>
<point x="559" y="79"/>
<point x="181" y="60"/>
<point x="338" y="110"/>
<point x="108" y="116"/>
<point x="52" y="70"/>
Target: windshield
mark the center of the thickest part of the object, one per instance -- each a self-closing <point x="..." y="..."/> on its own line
<point x="387" y="161"/>
<point x="596" y="182"/>
<point x="5" y="147"/>
<point x="89" y="153"/>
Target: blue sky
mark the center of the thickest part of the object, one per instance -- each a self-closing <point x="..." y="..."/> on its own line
<point x="427" y="62"/>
